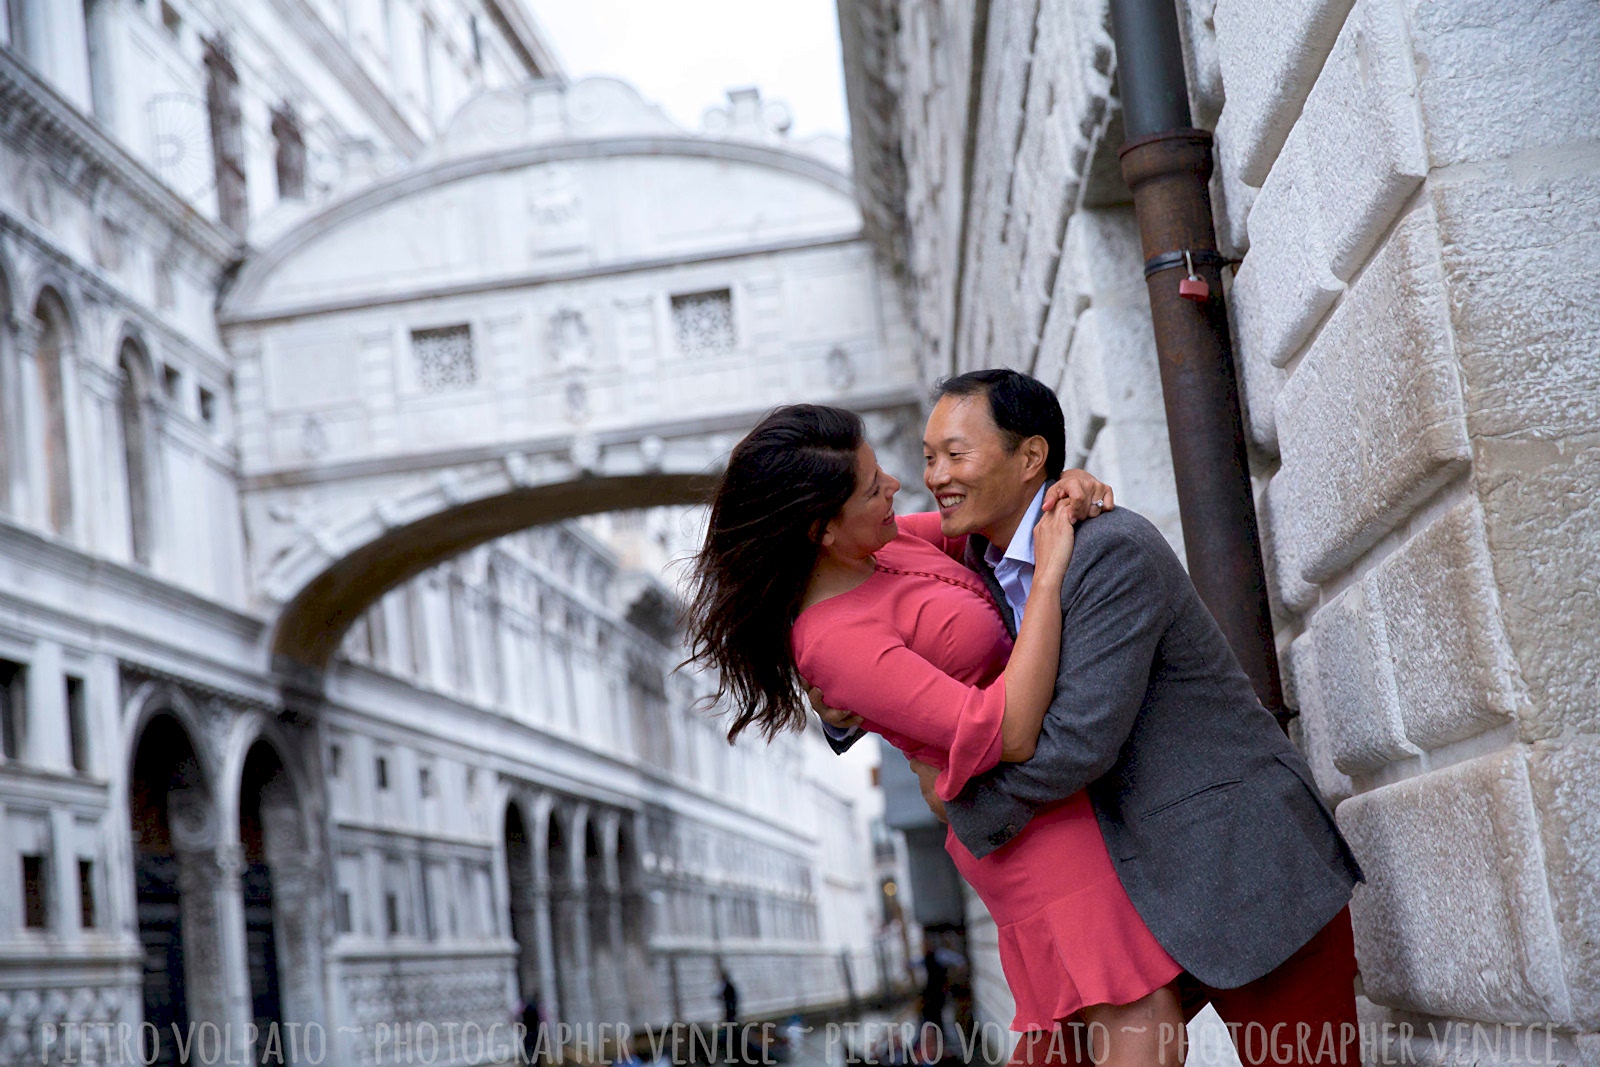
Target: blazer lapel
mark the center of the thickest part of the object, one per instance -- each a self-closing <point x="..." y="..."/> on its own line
<point x="977" y="545"/>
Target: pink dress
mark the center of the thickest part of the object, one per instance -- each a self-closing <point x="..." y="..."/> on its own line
<point x="917" y="651"/>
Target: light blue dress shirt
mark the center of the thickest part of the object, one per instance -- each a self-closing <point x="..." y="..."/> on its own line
<point x="1013" y="568"/>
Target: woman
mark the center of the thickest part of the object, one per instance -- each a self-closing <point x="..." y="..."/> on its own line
<point x="806" y="573"/>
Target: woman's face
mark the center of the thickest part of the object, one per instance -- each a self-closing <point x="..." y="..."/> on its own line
<point x="866" y="523"/>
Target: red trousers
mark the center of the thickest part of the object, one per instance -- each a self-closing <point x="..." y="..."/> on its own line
<point x="1301" y="1013"/>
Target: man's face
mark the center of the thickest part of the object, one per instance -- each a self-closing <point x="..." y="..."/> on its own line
<point x="978" y="485"/>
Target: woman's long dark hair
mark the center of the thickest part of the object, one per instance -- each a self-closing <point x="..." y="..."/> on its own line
<point x="785" y="481"/>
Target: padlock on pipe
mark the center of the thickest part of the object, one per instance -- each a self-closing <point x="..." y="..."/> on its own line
<point x="1193" y="287"/>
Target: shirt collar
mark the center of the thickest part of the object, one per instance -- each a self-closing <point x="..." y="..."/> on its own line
<point x="1021" y="548"/>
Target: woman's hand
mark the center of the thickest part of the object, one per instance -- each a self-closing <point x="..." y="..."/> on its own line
<point x="834" y="717"/>
<point x="1085" y="495"/>
<point x="926" y="777"/>
<point x="1052" y="546"/>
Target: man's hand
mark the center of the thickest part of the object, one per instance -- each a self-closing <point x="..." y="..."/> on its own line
<point x="1085" y="494"/>
<point x="926" y="776"/>
<point x="834" y="717"/>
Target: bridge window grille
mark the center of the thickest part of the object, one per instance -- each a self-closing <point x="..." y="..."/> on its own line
<point x="704" y="323"/>
<point x="445" y="359"/>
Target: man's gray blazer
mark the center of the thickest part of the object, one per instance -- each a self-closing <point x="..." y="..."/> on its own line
<point x="1212" y="819"/>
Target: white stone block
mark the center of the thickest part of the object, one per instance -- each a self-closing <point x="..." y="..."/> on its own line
<point x="1497" y="80"/>
<point x="1361" y="135"/>
<point x="1202" y="63"/>
<point x="1521" y="253"/>
<point x="1304" y="693"/>
<point x="1543" y="523"/>
<point x="1231" y="201"/>
<point x="1259" y="384"/>
<point x="1279" y="550"/>
<point x="1283" y="287"/>
<point x="1454" y="918"/>
<point x="1355" y="684"/>
<point x="1102" y="245"/>
<point x="1371" y="421"/>
<point x="1565" y="777"/>
<point x="1270" y="54"/>
<point x="1453" y="668"/>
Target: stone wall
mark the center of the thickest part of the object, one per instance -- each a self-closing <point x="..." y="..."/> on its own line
<point x="1418" y="340"/>
<point x="1413" y="188"/>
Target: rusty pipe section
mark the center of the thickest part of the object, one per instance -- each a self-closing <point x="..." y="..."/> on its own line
<point x="1167" y="165"/>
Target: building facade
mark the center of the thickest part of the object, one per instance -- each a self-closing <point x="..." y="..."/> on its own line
<point x="1410" y="189"/>
<point x="493" y="788"/>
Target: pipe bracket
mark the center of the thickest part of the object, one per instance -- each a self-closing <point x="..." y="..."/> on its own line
<point x="1167" y="260"/>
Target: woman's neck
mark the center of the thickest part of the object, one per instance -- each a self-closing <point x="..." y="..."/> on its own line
<point x="835" y="574"/>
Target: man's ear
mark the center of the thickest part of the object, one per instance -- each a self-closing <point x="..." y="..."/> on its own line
<point x="1035" y="453"/>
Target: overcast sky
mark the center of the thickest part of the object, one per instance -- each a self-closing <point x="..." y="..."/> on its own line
<point x="685" y="54"/>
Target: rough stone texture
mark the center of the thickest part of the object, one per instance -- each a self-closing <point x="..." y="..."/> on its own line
<point x="1355" y="682"/>
<point x="935" y="43"/>
<point x="1521" y="253"/>
<point x="1279" y="550"/>
<point x="1283" y="287"/>
<point x="1202" y="63"/>
<point x="1269" y="61"/>
<point x="1454" y="672"/>
<point x="1231" y="201"/>
<point x="1455" y="916"/>
<point x="1543" y="525"/>
<point x="1371" y="423"/>
<point x="1259" y="384"/>
<point x="1499" y="78"/>
<point x="1047" y="82"/>
<point x="1302" y="691"/>
<point x="1565" y="777"/>
<point x="1361" y="134"/>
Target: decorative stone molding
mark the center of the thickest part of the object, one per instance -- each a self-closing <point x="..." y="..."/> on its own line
<point x="50" y="128"/>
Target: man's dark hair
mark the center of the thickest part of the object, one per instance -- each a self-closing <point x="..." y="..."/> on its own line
<point x="1022" y="407"/>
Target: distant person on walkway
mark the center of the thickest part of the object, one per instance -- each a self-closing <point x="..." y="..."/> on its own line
<point x="730" y="998"/>
<point x="935" y="985"/>
<point x="531" y="1016"/>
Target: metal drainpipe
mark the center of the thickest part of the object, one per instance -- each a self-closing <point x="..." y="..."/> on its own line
<point x="1167" y="163"/>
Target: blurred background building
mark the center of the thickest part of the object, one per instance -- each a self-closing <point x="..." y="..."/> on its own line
<point x="327" y="692"/>
<point x="1412" y="187"/>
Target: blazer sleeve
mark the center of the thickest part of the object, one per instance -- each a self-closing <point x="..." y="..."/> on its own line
<point x="1114" y="616"/>
<point x="924" y="525"/>
<point x="868" y="668"/>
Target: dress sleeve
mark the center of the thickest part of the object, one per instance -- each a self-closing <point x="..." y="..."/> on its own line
<point x="924" y="526"/>
<point x="863" y="666"/>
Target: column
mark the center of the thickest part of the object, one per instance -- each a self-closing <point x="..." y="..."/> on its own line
<point x="299" y="891"/>
<point x="549" y="990"/>
<point x="215" y="970"/>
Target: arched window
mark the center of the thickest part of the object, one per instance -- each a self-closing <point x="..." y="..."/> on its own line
<point x="135" y="447"/>
<point x="55" y="337"/>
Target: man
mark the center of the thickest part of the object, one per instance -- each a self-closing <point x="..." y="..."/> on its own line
<point x="1210" y="814"/>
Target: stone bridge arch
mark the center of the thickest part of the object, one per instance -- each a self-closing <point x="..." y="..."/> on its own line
<point x="569" y="306"/>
